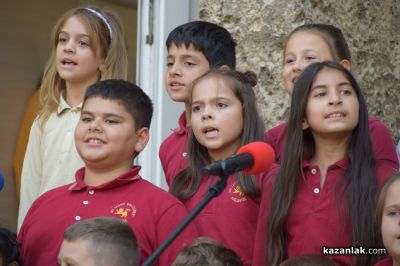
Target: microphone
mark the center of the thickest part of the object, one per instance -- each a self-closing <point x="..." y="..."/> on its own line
<point x="1" y="181"/>
<point x="252" y="159"/>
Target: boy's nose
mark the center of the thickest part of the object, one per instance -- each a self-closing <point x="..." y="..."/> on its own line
<point x="95" y="127"/>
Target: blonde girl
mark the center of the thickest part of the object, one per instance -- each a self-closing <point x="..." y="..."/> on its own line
<point x="87" y="46"/>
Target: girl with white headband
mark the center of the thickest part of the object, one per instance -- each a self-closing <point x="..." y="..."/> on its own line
<point x="87" y="46"/>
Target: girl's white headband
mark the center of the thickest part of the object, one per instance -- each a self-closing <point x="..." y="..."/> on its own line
<point x="99" y="15"/>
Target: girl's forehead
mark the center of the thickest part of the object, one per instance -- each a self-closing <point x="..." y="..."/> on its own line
<point x="212" y="84"/>
<point x="393" y="191"/>
<point x="307" y="40"/>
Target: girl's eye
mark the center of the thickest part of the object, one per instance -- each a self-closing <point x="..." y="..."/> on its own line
<point x="62" y="40"/>
<point x="310" y="58"/>
<point x="289" y="61"/>
<point x="319" y="94"/>
<point x="83" y="44"/>
<point x="170" y="64"/>
<point x="189" y="64"/>
<point x="195" y="108"/>
<point x="347" y="92"/>
<point x="109" y="121"/>
<point x="393" y="213"/>
<point x="221" y="105"/>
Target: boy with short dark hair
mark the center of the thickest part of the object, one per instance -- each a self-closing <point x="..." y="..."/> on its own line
<point x="112" y="130"/>
<point x="99" y="241"/>
<point x="207" y="252"/>
<point x="193" y="49"/>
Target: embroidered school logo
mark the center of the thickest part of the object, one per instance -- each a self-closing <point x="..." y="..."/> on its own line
<point x="237" y="193"/>
<point x="124" y="210"/>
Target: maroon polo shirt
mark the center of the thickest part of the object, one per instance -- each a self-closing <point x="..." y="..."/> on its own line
<point x="173" y="150"/>
<point x="314" y="220"/>
<point x="230" y="218"/>
<point x="382" y="141"/>
<point x="151" y="212"/>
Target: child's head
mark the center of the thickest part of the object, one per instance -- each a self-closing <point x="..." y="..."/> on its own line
<point x="193" y="49"/>
<point x="224" y="113"/>
<point x="224" y="117"/>
<point x="87" y="45"/>
<point x="327" y="99"/>
<point x="311" y="43"/>
<point x="327" y="105"/>
<point x="388" y="215"/>
<point x="114" y="124"/>
<point x="99" y="241"/>
<point x="205" y="251"/>
<point x="308" y="260"/>
<point x="9" y="249"/>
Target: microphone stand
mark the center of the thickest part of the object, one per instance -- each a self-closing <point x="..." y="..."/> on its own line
<point x="213" y="192"/>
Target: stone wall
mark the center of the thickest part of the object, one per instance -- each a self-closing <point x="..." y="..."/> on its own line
<point x="371" y="27"/>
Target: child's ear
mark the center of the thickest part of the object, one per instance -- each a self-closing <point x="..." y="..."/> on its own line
<point x="142" y="139"/>
<point x="224" y="67"/>
<point x="102" y="67"/>
<point x="305" y="124"/>
<point x="346" y="64"/>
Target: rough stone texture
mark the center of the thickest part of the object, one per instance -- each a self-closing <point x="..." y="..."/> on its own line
<point x="371" y="27"/>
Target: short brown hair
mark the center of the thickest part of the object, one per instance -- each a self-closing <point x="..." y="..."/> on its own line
<point x="110" y="240"/>
<point x="206" y="251"/>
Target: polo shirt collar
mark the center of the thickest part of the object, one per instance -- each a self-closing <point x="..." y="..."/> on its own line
<point x="182" y="129"/>
<point x="130" y="176"/>
<point x="64" y="106"/>
<point x="343" y="164"/>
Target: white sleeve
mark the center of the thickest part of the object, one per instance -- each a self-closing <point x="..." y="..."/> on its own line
<point x="31" y="172"/>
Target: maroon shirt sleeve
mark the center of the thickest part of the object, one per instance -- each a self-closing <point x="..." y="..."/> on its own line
<point x="276" y="138"/>
<point x="383" y="143"/>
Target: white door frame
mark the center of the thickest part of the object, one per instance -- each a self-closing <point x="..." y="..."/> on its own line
<point x="156" y="18"/>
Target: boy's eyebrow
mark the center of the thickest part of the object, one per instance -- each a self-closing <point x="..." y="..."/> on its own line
<point x="85" y="112"/>
<point x="185" y="56"/>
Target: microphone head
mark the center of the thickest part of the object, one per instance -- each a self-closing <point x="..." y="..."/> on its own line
<point x="263" y="156"/>
<point x="1" y="181"/>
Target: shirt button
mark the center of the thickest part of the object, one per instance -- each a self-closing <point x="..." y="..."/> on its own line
<point x="313" y="171"/>
<point x="85" y="202"/>
<point x="77" y="218"/>
<point x="184" y="154"/>
<point x="91" y="192"/>
<point x="316" y="190"/>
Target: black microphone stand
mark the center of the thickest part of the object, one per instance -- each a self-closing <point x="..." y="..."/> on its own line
<point x="213" y="192"/>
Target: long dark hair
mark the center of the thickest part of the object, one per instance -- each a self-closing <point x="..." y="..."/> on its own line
<point x="188" y="181"/>
<point x="361" y="187"/>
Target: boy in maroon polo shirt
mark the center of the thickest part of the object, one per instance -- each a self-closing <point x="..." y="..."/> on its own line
<point x="193" y="49"/>
<point x="113" y="129"/>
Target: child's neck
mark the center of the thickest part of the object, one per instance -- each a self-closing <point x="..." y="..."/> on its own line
<point x="96" y="177"/>
<point x="76" y="91"/>
<point x="327" y="152"/>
